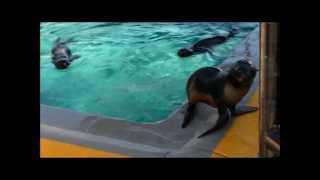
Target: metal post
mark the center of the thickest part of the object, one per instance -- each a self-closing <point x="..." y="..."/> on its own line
<point x="263" y="86"/>
<point x="268" y="81"/>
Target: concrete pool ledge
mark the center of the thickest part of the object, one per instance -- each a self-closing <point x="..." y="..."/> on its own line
<point x="163" y="139"/>
<point x="147" y="140"/>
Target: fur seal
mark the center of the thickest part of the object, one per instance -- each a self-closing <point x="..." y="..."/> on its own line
<point x="204" y="45"/>
<point x="220" y="89"/>
<point x="61" y="54"/>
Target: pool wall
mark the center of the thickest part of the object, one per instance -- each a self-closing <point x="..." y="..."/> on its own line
<point x="163" y="139"/>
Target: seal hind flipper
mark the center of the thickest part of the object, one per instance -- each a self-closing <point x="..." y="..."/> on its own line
<point x="224" y="117"/>
<point x="189" y="115"/>
<point x="239" y="110"/>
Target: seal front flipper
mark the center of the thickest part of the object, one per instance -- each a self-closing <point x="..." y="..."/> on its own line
<point x="224" y="117"/>
<point x="60" y="41"/>
<point x="69" y="40"/>
<point x="233" y="31"/>
<point x="74" y="57"/>
<point x="210" y="53"/>
<point x="57" y="41"/>
<point x="239" y="110"/>
<point x="207" y="50"/>
<point x="189" y="115"/>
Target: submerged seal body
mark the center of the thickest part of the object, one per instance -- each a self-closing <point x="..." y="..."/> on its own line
<point x="61" y="54"/>
<point x="204" y="45"/>
<point x="220" y="89"/>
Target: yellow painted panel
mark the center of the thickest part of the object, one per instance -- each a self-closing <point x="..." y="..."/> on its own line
<point x="242" y="139"/>
<point x="53" y="148"/>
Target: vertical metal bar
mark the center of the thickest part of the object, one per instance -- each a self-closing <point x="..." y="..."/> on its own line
<point x="268" y="81"/>
<point x="263" y="87"/>
<point x="272" y="71"/>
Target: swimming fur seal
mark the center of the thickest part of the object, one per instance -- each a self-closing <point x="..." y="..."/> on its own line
<point x="220" y="89"/>
<point x="61" y="54"/>
<point x="204" y="45"/>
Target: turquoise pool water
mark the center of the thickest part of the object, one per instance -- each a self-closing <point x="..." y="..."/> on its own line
<point x="127" y="70"/>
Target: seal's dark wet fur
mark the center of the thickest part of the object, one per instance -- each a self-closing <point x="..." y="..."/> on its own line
<point x="204" y="45"/>
<point x="61" y="54"/>
<point x="220" y="89"/>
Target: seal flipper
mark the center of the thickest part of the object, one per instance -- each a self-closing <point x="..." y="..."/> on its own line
<point x="209" y="51"/>
<point x="232" y="32"/>
<point x="57" y="41"/>
<point x="239" y="110"/>
<point x="69" y="40"/>
<point x="60" y="41"/>
<point x="189" y="115"/>
<point x="74" y="57"/>
<point x="224" y="117"/>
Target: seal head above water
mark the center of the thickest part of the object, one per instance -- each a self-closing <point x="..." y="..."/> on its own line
<point x="61" y="54"/>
